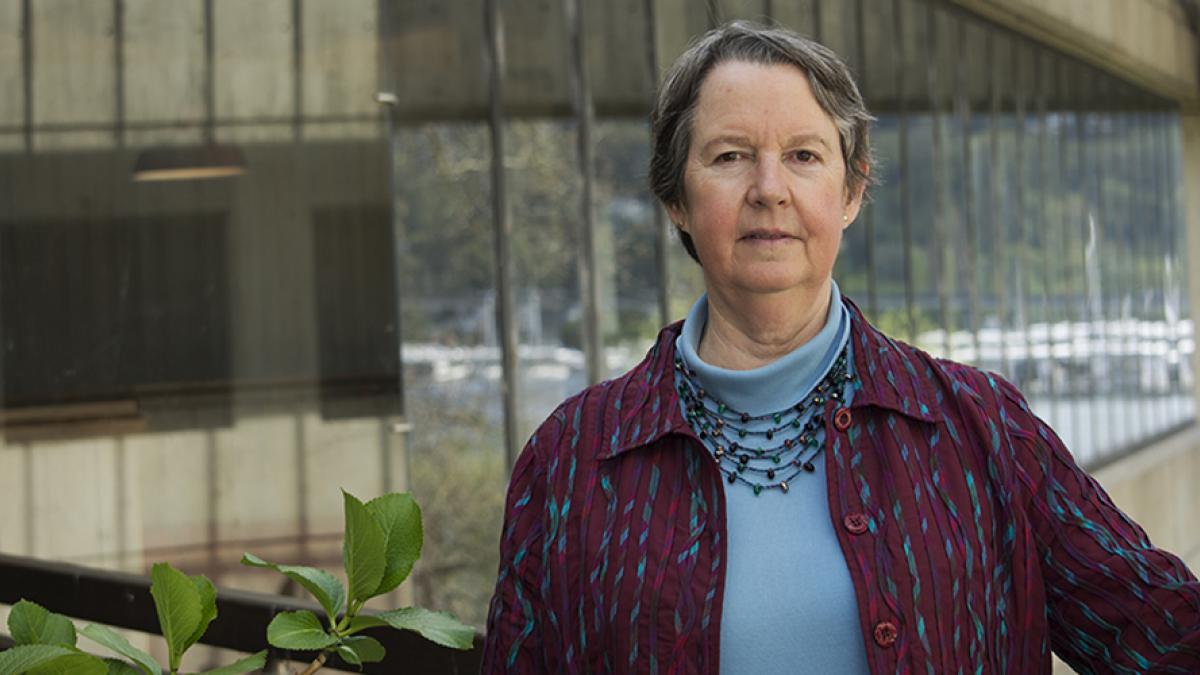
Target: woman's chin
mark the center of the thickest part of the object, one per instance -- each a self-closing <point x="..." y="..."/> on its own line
<point x="784" y="282"/>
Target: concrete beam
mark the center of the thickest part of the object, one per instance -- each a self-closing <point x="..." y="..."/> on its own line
<point x="1147" y="42"/>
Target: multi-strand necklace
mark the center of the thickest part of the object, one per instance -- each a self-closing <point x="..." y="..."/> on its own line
<point x="765" y="451"/>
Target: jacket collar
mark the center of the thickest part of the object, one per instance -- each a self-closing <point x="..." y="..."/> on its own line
<point x="889" y="375"/>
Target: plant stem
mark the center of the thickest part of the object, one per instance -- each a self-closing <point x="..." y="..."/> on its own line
<point x="315" y="665"/>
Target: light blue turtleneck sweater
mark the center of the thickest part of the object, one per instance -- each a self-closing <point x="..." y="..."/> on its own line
<point x="789" y="602"/>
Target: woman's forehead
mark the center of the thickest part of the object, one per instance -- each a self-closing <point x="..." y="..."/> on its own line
<point x="740" y="98"/>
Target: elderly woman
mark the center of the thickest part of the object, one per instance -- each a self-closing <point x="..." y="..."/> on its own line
<point x="780" y="488"/>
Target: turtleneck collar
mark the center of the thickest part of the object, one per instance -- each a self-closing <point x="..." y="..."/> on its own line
<point x="777" y="384"/>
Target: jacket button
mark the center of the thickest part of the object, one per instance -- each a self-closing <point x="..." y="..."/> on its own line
<point x="885" y="633"/>
<point x="841" y="419"/>
<point x="856" y="523"/>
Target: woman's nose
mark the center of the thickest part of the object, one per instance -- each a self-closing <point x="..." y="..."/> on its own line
<point x="768" y="187"/>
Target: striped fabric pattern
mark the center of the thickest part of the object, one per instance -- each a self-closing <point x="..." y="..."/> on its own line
<point x="975" y="543"/>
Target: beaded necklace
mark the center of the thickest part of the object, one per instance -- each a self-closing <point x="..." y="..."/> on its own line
<point x="781" y="443"/>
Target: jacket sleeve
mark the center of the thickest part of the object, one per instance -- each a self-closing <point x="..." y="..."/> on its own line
<point x="513" y="641"/>
<point x="1115" y="603"/>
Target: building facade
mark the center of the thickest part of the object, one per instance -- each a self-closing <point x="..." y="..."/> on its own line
<point x="433" y="225"/>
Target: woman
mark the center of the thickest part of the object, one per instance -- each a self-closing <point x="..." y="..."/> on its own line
<point x="780" y="488"/>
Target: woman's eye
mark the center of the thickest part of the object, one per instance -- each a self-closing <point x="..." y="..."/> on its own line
<point x="805" y="156"/>
<point x="726" y="157"/>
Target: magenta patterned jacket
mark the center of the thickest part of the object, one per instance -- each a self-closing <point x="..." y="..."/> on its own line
<point x="975" y="543"/>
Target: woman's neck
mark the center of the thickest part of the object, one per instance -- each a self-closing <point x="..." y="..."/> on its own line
<point x="745" y="333"/>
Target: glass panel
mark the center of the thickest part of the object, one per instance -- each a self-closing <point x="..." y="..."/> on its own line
<point x="189" y="361"/>
<point x="164" y="70"/>
<point x="253" y="68"/>
<point x="543" y="188"/>
<point x="451" y="360"/>
<point x="12" y="80"/>
<point x="626" y="243"/>
<point x="74" y="73"/>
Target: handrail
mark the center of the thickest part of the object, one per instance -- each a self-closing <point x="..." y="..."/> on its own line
<point x="123" y="599"/>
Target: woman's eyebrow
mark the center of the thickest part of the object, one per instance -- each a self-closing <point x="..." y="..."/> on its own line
<point x="807" y="138"/>
<point x="741" y="141"/>
<point x="735" y="140"/>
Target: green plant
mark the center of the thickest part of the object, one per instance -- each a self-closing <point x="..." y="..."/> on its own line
<point x="45" y="641"/>
<point x="383" y="540"/>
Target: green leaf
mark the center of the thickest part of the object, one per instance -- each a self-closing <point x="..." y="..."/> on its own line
<point x="31" y="624"/>
<point x="362" y="622"/>
<point x="246" y="665"/>
<point x="437" y="627"/>
<point x="363" y="549"/>
<point x="208" y="609"/>
<point x="324" y="586"/>
<point x="106" y="636"/>
<point x="400" y="518"/>
<point x="76" y="663"/>
<point x="298" y="630"/>
<point x="119" y="667"/>
<point x="178" y="604"/>
<point x="366" y="649"/>
<point x="349" y="656"/>
<point x="27" y="657"/>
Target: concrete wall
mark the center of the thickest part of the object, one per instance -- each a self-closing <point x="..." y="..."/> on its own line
<point x="1145" y="41"/>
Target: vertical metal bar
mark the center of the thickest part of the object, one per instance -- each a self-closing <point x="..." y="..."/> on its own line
<point x="210" y="90"/>
<point x="29" y="504"/>
<point x="1043" y="227"/>
<point x="393" y="433"/>
<point x="119" y="67"/>
<point x="1065" y="187"/>
<point x="937" y="248"/>
<point x="502" y="229"/>
<point x="996" y="221"/>
<point x="213" y="511"/>
<point x="1129" y="315"/>
<point x="1019" y="216"/>
<point x="713" y="13"/>
<point x="1147" y="211"/>
<point x="963" y="106"/>
<point x="1157" y="155"/>
<point x="121" y="490"/>
<point x="1083" y="120"/>
<point x="903" y="182"/>
<point x="868" y="213"/>
<point x="662" y="233"/>
<point x="1149" y="287"/>
<point x="299" y="443"/>
<point x="1100" y="123"/>
<point x="818" y="29"/>
<point x="297" y="70"/>
<point x="1170" y="142"/>
<point x="1157" y="261"/>
<point x="589" y="279"/>
<point x="1134" y="286"/>
<point x="27" y="70"/>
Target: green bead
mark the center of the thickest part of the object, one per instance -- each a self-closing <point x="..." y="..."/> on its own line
<point x="757" y="490"/>
<point x="741" y="433"/>
<point x="796" y="423"/>
<point x="721" y="408"/>
<point x="775" y="459"/>
<point x="777" y="418"/>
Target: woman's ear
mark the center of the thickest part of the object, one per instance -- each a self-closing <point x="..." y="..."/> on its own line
<point x="854" y="198"/>
<point x="678" y="215"/>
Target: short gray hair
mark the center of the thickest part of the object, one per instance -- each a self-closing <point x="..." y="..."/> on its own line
<point x="675" y="107"/>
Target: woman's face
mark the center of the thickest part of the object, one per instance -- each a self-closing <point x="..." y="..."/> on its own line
<point x="764" y="182"/>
